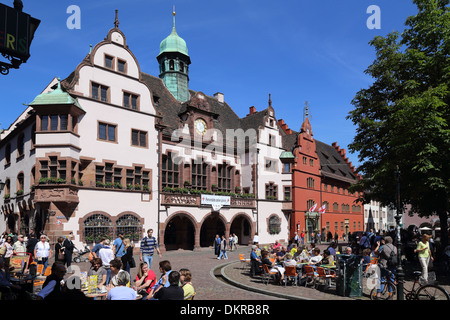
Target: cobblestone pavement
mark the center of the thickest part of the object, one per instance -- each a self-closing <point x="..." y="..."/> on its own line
<point x="202" y="264"/>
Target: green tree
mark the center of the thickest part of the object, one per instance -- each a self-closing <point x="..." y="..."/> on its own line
<point x="403" y="117"/>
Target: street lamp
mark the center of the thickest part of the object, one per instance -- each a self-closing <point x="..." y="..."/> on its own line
<point x="398" y="217"/>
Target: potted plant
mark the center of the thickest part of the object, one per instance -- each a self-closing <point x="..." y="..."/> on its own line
<point x="43" y="181"/>
<point x="117" y="185"/>
<point x="187" y="184"/>
<point x="214" y="187"/>
<point x="109" y="185"/>
<point x="7" y="196"/>
<point x="237" y="189"/>
<point x="99" y="184"/>
<point x="19" y="192"/>
<point x="80" y="182"/>
<point x="73" y="181"/>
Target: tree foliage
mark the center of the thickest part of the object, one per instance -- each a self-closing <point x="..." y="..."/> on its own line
<point x="403" y="117"/>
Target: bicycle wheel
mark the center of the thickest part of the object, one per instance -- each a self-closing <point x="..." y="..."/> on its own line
<point x="432" y="292"/>
<point x="387" y="293"/>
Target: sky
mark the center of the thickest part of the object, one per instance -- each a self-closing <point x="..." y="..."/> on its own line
<point x="295" y="50"/>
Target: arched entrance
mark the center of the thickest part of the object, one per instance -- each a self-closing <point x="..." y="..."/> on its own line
<point x="211" y="226"/>
<point x="242" y="228"/>
<point x="179" y="233"/>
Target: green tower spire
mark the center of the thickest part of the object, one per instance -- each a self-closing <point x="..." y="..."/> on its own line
<point x="174" y="64"/>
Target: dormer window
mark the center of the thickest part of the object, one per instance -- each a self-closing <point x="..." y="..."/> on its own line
<point x="109" y="62"/>
<point x="121" y="65"/>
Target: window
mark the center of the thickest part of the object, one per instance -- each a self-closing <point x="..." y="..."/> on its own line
<point x="327" y="205"/>
<point x="309" y="204"/>
<point x="107" y="132"/>
<point x="271" y="191"/>
<point x="274" y="225"/>
<point x="99" y="92"/>
<point x="8" y="154"/>
<point x="310" y="183"/>
<point x="130" y="100"/>
<point x="130" y="227"/>
<point x="55" y="122"/>
<point x="20" y="145"/>
<point x="181" y="66"/>
<point x="169" y="171"/>
<point x="304" y="160"/>
<point x="138" y="138"/>
<point x="97" y="226"/>
<point x="335" y="207"/>
<point x="286" y="168"/>
<point x="171" y="65"/>
<point x="109" y="62"/>
<point x="271" y="165"/>
<point x="224" y="177"/>
<point x="271" y="140"/>
<point x="122" y="65"/>
<point x="20" y="180"/>
<point x="199" y="175"/>
<point x="311" y="162"/>
<point x="287" y="193"/>
<point x="53" y="168"/>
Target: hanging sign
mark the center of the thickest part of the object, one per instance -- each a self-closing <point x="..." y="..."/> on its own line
<point x="217" y="202"/>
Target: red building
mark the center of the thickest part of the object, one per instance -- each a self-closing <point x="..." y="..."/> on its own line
<point x="322" y="174"/>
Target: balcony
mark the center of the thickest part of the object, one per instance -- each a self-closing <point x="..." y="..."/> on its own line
<point x="60" y="192"/>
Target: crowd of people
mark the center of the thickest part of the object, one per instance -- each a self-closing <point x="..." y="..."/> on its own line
<point x="111" y="263"/>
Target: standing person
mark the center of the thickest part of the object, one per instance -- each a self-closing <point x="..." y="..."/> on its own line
<point x="336" y="237"/>
<point x="387" y="257"/>
<point x="68" y="251"/>
<point x="297" y="239"/>
<point x="148" y="246"/>
<point x="145" y="279"/>
<point x="31" y="243"/>
<point x="127" y="258"/>
<point x="43" y="252"/>
<point x="59" y="250"/>
<point x="19" y="247"/>
<point x="235" y="240"/>
<point x="8" y="252"/>
<point x="186" y="283"/>
<point x="106" y="254"/>
<point x="223" y="249"/>
<point x="118" y="247"/>
<point x="230" y="241"/>
<point x="256" y="239"/>
<point x="424" y="253"/>
<point x="217" y="245"/>
<point x="302" y="237"/>
<point x="98" y="246"/>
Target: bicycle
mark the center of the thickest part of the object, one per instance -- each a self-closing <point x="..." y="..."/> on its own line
<point x="422" y="292"/>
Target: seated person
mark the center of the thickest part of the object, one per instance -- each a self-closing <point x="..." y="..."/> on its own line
<point x="98" y="270"/>
<point x="145" y="279"/>
<point x="272" y="266"/>
<point x="185" y="280"/>
<point x="280" y="255"/>
<point x="316" y="258"/>
<point x="121" y="291"/>
<point x="255" y="262"/>
<point x="301" y="255"/>
<point x="173" y="291"/>
<point x="116" y="269"/>
<point x="294" y="249"/>
<point x="328" y="258"/>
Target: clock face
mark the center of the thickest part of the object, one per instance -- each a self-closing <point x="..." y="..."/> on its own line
<point x="200" y="126"/>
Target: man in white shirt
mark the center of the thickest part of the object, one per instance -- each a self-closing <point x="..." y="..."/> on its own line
<point x="106" y="254"/>
<point x="19" y="247"/>
<point x="42" y="252"/>
<point x="316" y="258"/>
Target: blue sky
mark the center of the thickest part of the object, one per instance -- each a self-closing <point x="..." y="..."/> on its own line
<point x="297" y="50"/>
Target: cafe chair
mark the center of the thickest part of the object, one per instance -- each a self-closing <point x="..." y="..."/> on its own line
<point x="325" y="276"/>
<point x="191" y="297"/>
<point x="310" y="275"/>
<point x="290" y="273"/>
<point x="267" y="275"/>
<point x="243" y="260"/>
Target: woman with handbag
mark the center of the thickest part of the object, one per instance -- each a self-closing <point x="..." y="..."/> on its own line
<point x="145" y="279"/>
<point x="127" y="259"/>
<point x="59" y="250"/>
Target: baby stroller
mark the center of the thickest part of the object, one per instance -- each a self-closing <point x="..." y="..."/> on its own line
<point x="82" y="255"/>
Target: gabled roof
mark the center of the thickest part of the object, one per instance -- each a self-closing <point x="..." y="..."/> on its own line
<point x="332" y="163"/>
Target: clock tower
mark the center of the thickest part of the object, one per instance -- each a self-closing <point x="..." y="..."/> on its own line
<point x="174" y="64"/>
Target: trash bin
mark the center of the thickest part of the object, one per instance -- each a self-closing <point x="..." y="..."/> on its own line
<point x="349" y="275"/>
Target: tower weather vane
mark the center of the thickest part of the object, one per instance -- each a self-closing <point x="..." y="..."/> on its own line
<point x="306" y="113"/>
<point x="116" y="21"/>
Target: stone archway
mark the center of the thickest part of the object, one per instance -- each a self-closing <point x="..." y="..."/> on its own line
<point x="179" y="233"/>
<point x="241" y="225"/>
<point x="212" y="224"/>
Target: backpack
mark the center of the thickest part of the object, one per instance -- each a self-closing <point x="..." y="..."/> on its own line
<point x="392" y="260"/>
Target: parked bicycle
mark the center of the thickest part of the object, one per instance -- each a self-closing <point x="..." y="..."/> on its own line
<point x="418" y="292"/>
